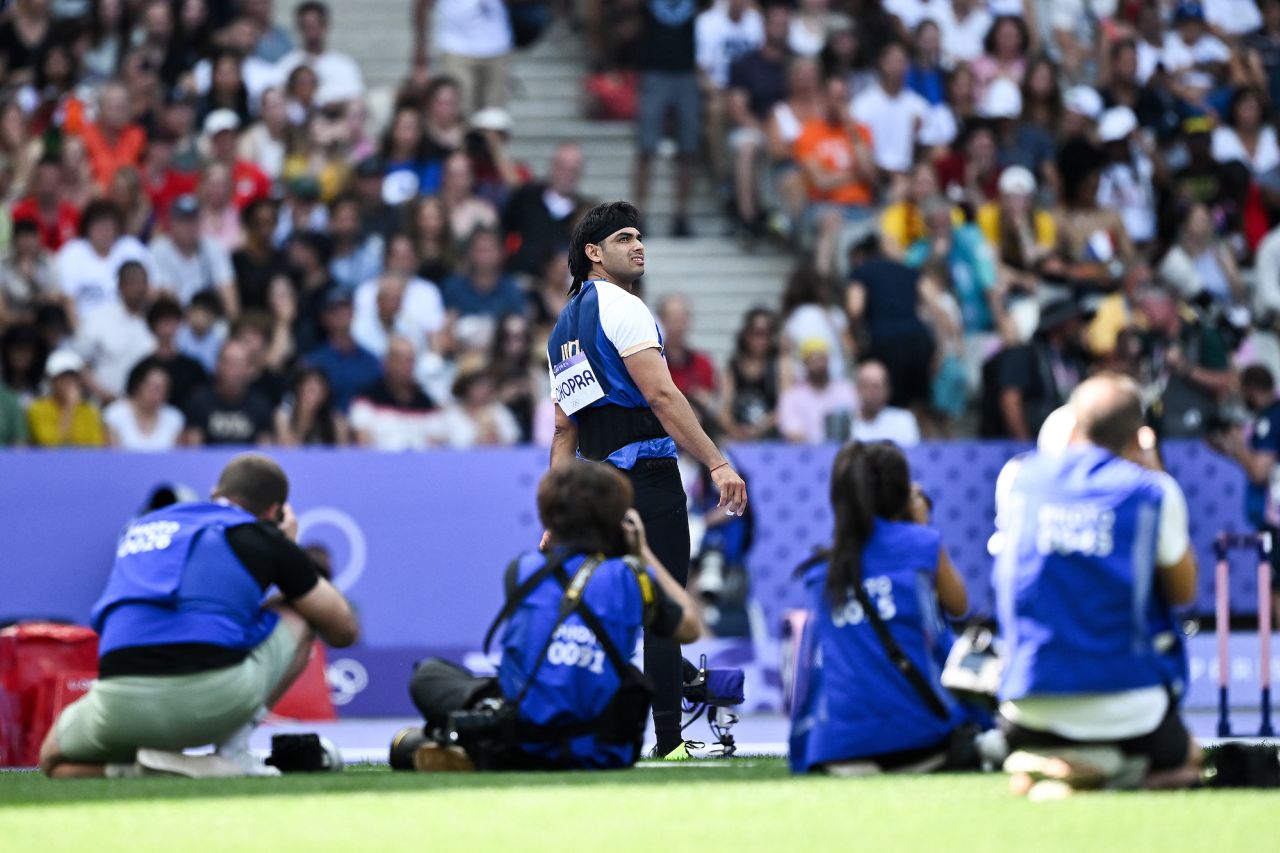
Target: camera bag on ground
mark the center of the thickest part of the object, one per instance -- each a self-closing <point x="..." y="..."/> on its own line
<point x="305" y="753"/>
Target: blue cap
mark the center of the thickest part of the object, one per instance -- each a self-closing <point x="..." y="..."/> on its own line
<point x="1188" y="10"/>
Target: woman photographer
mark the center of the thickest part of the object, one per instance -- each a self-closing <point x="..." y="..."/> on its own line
<point x="856" y="711"/>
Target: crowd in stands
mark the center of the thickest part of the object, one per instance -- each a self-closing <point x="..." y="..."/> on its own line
<point x="205" y="240"/>
<point x="989" y="199"/>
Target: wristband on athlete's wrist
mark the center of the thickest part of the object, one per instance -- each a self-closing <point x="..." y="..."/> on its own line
<point x="718" y="467"/>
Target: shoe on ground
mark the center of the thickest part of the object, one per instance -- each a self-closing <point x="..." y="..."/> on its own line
<point x="438" y="758"/>
<point x="157" y="762"/>
<point x="249" y="764"/>
<point x="1082" y="768"/>
<point x="681" y="752"/>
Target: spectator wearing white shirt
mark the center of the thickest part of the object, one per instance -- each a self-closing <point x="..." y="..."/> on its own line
<point x="875" y="419"/>
<point x="338" y="75"/>
<point x="893" y="113"/>
<point x="476" y="418"/>
<point x="398" y="303"/>
<point x="910" y="13"/>
<point x="142" y="420"/>
<point x="1233" y="17"/>
<point x="811" y="24"/>
<point x="1247" y="136"/>
<point x="394" y="413"/>
<point x="722" y="34"/>
<point x="86" y="268"/>
<point x="115" y="337"/>
<point x="964" y="25"/>
<point x="470" y="42"/>
<point x="1191" y="53"/>
<point x="1070" y="29"/>
<point x="1126" y="184"/>
<point x="188" y="262"/>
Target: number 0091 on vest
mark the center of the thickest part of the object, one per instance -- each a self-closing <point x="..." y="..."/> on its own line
<point x="576" y="384"/>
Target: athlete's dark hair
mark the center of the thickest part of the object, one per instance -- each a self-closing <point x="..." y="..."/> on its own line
<point x="254" y="482"/>
<point x="582" y="504"/>
<point x="607" y="218"/>
<point x="867" y="481"/>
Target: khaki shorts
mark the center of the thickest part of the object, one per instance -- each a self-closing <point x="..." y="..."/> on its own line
<point x="172" y="712"/>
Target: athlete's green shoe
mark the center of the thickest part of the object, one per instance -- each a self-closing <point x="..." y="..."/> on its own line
<point x="680" y="753"/>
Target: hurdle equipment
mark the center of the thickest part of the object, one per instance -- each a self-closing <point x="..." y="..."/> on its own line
<point x="1222" y="546"/>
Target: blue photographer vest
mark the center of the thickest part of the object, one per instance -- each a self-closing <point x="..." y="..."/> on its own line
<point x="176" y="580"/>
<point x="576" y="680"/>
<point x="619" y="426"/>
<point x="851" y="702"/>
<point x="1075" y="582"/>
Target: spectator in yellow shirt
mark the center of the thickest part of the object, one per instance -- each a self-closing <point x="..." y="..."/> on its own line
<point x="902" y="223"/>
<point x="1023" y="235"/>
<point x="63" y="418"/>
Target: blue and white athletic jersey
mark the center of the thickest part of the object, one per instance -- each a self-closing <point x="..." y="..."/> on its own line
<point x="598" y="329"/>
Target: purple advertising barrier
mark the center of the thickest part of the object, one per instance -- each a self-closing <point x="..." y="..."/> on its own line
<point x="419" y="540"/>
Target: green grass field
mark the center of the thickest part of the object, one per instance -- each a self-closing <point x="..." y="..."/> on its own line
<point x="741" y="804"/>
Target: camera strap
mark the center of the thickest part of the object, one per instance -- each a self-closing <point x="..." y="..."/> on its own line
<point x="569" y="602"/>
<point x="517" y="594"/>
<point x="898" y="657"/>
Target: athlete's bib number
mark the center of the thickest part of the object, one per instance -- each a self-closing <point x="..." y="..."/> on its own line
<point x="576" y="384"/>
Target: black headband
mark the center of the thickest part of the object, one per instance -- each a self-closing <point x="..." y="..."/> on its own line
<point x="610" y="226"/>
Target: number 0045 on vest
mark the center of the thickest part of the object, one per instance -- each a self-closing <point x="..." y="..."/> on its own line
<point x="576" y="385"/>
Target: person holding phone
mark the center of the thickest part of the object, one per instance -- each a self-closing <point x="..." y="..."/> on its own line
<point x="190" y="654"/>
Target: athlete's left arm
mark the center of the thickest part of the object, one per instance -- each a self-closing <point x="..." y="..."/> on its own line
<point x="952" y="595"/>
<point x="649" y="371"/>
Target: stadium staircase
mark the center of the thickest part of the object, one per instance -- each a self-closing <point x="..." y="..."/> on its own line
<point x="711" y="269"/>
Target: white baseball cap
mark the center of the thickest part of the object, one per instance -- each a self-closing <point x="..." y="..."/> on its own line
<point x="220" y="120"/>
<point x="1017" y="180"/>
<point x="1084" y="101"/>
<point x="1116" y="124"/>
<point x="1003" y="99"/>
<point x="491" y="118"/>
<point x="62" y="361"/>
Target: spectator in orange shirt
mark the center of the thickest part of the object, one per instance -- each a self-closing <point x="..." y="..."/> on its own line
<point x="113" y="141"/>
<point x="248" y="182"/>
<point x="834" y="152"/>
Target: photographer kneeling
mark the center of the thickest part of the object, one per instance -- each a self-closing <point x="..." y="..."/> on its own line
<point x="566" y="694"/>
<point x="868" y="694"/>
<point x="1096" y="553"/>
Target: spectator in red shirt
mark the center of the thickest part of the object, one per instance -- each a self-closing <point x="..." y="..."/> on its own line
<point x="692" y="371"/>
<point x="162" y="183"/>
<point x="113" y="141"/>
<point x="248" y="182"/>
<point x="57" y="219"/>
